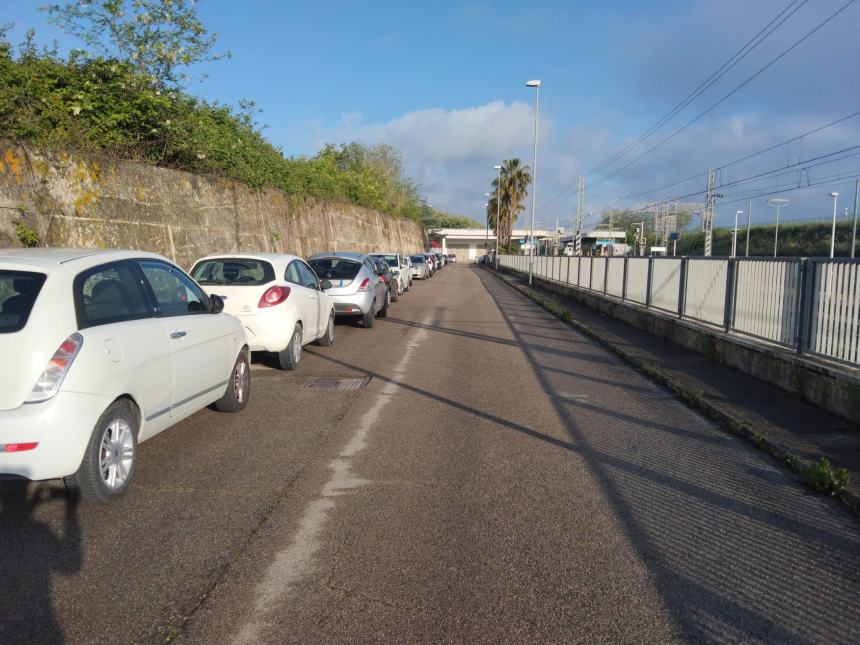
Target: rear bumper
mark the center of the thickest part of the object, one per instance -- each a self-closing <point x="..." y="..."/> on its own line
<point x="356" y="304"/>
<point x="61" y="426"/>
<point x="268" y="333"/>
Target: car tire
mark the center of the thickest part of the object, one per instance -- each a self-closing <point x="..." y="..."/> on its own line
<point x="290" y="357"/>
<point x="238" y="386"/>
<point x="397" y="292"/>
<point x="384" y="311"/>
<point x="110" y="459"/>
<point x="327" y="339"/>
<point x="368" y="319"/>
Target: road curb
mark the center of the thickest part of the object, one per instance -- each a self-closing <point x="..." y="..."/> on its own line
<point x="695" y="399"/>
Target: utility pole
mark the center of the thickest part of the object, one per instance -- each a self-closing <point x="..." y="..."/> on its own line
<point x="580" y="207"/>
<point x="749" y="224"/>
<point x="709" y="215"/>
<point x="854" y="230"/>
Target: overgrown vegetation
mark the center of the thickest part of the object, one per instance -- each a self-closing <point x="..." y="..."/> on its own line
<point x="800" y="239"/>
<point x="124" y="98"/>
<point x="821" y="476"/>
<point x="26" y="236"/>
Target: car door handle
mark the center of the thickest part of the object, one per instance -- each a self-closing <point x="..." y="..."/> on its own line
<point x="178" y="334"/>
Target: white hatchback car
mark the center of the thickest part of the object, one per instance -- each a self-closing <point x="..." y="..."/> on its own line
<point x="102" y="350"/>
<point x="278" y="297"/>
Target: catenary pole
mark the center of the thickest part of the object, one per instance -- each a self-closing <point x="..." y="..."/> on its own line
<point x="535" y="84"/>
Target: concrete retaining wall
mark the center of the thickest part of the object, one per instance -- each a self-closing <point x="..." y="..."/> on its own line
<point x="87" y="201"/>
<point x="832" y="387"/>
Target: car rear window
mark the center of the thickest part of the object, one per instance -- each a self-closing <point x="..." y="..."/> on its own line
<point x="18" y="293"/>
<point x="233" y="271"/>
<point x="335" y="268"/>
<point x="391" y="259"/>
<point x="418" y="259"/>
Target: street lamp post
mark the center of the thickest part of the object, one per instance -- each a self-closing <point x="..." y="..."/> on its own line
<point x="535" y="84"/>
<point x="498" y="211"/>
<point x="777" y="202"/>
<point x="835" y="196"/>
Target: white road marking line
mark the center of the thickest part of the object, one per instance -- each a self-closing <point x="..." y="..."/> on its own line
<point x="297" y="560"/>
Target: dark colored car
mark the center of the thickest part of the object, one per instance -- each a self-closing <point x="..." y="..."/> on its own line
<point x="387" y="276"/>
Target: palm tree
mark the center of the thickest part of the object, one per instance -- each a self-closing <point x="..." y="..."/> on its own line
<point x="515" y="181"/>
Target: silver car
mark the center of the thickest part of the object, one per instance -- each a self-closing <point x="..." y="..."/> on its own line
<point x="420" y="268"/>
<point x="356" y="288"/>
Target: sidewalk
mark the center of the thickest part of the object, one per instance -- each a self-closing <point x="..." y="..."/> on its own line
<point x="768" y="416"/>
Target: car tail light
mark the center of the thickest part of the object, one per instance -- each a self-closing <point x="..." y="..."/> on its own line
<point x="273" y="296"/>
<point x="365" y="285"/>
<point x="384" y="278"/>
<point x="18" y="447"/>
<point x="50" y="379"/>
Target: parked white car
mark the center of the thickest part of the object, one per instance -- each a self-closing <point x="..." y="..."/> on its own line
<point x="102" y="350"/>
<point x="278" y="298"/>
<point x="406" y="267"/>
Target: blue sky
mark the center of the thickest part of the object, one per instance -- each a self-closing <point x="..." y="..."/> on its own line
<point x="444" y="82"/>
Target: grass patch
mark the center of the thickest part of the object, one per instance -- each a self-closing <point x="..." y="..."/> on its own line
<point x="820" y="476"/>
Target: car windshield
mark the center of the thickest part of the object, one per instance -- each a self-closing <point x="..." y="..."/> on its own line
<point x="233" y="271"/>
<point x="335" y="268"/>
<point x="18" y="293"/>
<point x="417" y="259"/>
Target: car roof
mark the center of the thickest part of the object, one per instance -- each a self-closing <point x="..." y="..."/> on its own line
<point x="274" y="258"/>
<point x="48" y="259"/>
<point x="349" y="255"/>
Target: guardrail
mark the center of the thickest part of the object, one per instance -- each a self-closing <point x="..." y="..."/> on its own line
<point x="811" y="305"/>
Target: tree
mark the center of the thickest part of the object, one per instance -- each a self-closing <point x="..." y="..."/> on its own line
<point x="515" y="180"/>
<point x="158" y="38"/>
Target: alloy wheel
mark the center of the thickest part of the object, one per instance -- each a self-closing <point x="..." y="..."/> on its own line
<point x="116" y="454"/>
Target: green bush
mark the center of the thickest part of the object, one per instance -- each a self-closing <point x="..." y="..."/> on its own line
<point x="105" y="106"/>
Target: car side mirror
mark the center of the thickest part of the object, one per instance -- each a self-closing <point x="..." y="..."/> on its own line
<point x="216" y="304"/>
<point x="325" y="284"/>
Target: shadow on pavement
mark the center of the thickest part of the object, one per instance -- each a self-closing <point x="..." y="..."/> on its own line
<point x="31" y="553"/>
<point x="736" y="549"/>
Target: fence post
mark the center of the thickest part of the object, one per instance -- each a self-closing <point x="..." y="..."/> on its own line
<point x="731" y="287"/>
<point x="567" y="275"/>
<point x="648" y="282"/>
<point x="805" y="303"/>
<point x="624" y="279"/>
<point x="606" y="276"/>
<point x="590" y="273"/>
<point x="682" y="290"/>
<point x="578" y="270"/>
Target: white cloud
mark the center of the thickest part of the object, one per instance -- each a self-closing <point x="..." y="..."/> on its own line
<point x="451" y="153"/>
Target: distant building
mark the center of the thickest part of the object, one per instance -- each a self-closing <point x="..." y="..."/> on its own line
<point x="468" y="244"/>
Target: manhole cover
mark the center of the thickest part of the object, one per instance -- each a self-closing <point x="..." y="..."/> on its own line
<point x="340" y="383"/>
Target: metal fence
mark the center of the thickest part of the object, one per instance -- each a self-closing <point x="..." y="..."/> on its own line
<point x="811" y="305"/>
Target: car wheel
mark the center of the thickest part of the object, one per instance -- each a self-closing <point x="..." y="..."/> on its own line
<point x="384" y="311"/>
<point x="110" y="460"/>
<point x="368" y="319"/>
<point x="397" y="292"/>
<point x="238" y="386"/>
<point x="327" y="339"/>
<point x="290" y="357"/>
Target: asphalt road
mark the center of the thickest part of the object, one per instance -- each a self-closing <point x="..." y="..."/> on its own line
<point x="499" y="479"/>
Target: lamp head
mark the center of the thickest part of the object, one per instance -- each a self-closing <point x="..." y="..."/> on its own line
<point x="534" y="83"/>
<point x="834" y="194"/>
<point x="497" y="167"/>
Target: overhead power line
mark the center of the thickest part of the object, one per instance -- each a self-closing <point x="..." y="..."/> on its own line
<point x="750" y="45"/>
<point x="721" y="71"/>
<point x="731" y="93"/>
